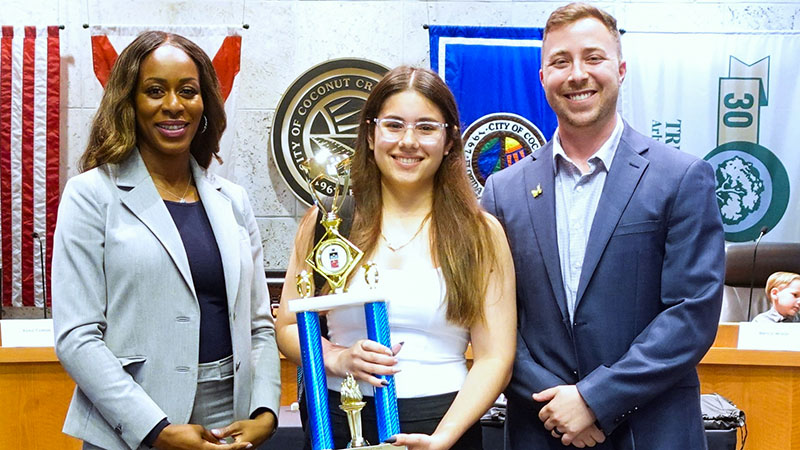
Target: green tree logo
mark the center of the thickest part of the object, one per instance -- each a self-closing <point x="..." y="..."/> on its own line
<point x="739" y="189"/>
<point x="752" y="188"/>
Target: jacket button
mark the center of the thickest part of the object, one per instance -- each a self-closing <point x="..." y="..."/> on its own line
<point x="118" y="428"/>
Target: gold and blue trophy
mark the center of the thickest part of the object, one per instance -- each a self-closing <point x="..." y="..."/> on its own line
<point x="335" y="258"/>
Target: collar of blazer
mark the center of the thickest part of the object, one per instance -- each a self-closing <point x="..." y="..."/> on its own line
<point x="139" y="194"/>
<point x="627" y="169"/>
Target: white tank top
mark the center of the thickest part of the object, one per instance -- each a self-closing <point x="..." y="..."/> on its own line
<point x="432" y="358"/>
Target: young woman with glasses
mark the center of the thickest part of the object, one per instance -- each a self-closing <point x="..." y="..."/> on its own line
<point x="444" y="263"/>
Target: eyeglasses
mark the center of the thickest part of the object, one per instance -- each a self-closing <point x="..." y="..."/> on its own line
<point x="426" y="131"/>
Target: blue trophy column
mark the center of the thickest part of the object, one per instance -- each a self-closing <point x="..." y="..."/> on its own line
<point x="315" y="382"/>
<point x="385" y="397"/>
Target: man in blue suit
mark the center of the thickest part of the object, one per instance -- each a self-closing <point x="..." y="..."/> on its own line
<point x="619" y="254"/>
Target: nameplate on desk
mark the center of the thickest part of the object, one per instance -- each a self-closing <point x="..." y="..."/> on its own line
<point x="769" y="336"/>
<point x="26" y="332"/>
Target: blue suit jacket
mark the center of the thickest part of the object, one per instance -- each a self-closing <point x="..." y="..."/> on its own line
<point x="648" y="300"/>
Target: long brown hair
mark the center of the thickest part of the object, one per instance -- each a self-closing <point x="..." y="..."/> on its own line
<point x="458" y="238"/>
<point x="113" y="133"/>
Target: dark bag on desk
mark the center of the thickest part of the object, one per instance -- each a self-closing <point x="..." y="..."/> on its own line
<point x="722" y="421"/>
<point x="719" y="413"/>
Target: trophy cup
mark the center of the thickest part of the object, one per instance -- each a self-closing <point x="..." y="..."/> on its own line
<point x="335" y="258"/>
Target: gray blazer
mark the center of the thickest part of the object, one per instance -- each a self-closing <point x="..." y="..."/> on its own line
<point x="126" y="315"/>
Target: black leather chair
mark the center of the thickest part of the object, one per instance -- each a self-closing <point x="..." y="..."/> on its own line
<point x="771" y="257"/>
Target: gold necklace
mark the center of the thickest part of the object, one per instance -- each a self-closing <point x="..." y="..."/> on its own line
<point x="181" y="198"/>
<point x="394" y="247"/>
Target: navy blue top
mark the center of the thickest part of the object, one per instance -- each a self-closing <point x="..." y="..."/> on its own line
<point x="205" y="264"/>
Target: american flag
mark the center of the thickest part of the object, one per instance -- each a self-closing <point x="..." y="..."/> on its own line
<point x="30" y="66"/>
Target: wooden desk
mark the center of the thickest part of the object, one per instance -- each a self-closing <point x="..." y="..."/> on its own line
<point x="34" y="395"/>
<point x="35" y="392"/>
<point x="763" y="384"/>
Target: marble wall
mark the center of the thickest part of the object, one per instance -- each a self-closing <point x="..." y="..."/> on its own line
<point x="285" y="38"/>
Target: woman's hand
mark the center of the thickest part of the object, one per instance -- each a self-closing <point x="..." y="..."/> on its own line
<point x="188" y="437"/>
<point x="363" y="360"/>
<point x="419" y="441"/>
<point x="252" y="431"/>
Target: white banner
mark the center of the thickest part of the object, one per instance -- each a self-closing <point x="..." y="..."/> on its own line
<point x="732" y="100"/>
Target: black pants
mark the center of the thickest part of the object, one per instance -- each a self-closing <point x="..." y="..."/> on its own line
<point x="417" y="415"/>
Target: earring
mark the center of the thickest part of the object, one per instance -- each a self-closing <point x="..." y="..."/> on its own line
<point x="205" y="124"/>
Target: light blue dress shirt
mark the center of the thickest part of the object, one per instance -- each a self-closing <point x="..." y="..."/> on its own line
<point x="577" y="195"/>
<point x="773" y="316"/>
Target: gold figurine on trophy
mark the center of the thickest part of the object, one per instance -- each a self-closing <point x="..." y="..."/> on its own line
<point x="351" y="404"/>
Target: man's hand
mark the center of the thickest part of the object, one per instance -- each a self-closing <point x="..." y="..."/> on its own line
<point x="566" y="414"/>
<point x="251" y="432"/>
<point x="190" y="437"/>
<point x="588" y="438"/>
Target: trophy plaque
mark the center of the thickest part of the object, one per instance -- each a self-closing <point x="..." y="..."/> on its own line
<point x="335" y="258"/>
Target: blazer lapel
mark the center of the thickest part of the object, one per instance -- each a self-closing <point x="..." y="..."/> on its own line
<point x="623" y="177"/>
<point x="542" y="209"/>
<point x="141" y="197"/>
<point x="225" y="227"/>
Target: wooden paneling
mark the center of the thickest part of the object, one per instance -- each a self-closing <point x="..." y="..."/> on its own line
<point x="767" y="395"/>
<point x="288" y="382"/>
<point x="34" y="397"/>
<point x="763" y="384"/>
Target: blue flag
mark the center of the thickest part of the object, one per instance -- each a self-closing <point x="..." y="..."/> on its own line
<point x="494" y="75"/>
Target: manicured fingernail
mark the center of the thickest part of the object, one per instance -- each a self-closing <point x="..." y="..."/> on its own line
<point x="249" y="446"/>
<point x="391" y="440"/>
<point x="215" y="431"/>
<point x="385" y="382"/>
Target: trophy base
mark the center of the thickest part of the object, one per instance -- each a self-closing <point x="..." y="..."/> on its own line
<point x="381" y="447"/>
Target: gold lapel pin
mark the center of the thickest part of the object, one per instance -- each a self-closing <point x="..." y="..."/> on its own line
<point x="536" y="192"/>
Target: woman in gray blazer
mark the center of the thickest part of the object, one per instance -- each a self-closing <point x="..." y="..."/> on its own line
<point x="159" y="299"/>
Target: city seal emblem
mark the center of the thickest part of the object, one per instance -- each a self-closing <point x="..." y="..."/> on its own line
<point x="496" y="141"/>
<point x="319" y="112"/>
